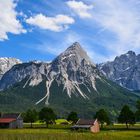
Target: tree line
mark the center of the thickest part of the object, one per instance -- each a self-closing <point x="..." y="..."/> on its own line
<point x="126" y="116"/>
<point x="47" y="115"/>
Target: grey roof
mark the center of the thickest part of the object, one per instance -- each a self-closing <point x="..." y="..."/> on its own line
<point x="85" y="122"/>
<point x="11" y="115"/>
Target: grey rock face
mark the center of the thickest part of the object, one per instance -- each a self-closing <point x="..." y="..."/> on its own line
<point x="71" y="68"/>
<point x="74" y="62"/>
<point x="32" y="71"/>
<point x="124" y="70"/>
<point x="6" y="64"/>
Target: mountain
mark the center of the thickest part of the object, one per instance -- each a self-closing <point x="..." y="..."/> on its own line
<point x="124" y="70"/>
<point x="71" y="68"/>
<point x="71" y="82"/>
<point x="6" y="64"/>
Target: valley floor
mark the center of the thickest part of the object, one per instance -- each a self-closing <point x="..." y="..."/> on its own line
<point x="66" y="134"/>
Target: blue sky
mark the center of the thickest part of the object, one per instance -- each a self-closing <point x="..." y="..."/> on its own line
<point x="42" y="29"/>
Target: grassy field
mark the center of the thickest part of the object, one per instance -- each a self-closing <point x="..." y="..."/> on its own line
<point x="56" y="134"/>
<point x="62" y="132"/>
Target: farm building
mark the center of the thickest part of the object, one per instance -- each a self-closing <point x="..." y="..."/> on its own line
<point x="12" y="120"/>
<point x="92" y="125"/>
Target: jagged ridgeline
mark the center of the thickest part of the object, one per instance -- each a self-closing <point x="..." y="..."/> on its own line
<point x="124" y="70"/>
<point x="71" y="82"/>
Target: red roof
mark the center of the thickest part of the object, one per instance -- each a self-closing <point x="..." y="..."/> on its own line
<point x="6" y="120"/>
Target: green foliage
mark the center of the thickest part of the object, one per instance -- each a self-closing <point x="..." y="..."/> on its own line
<point x="47" y="115"/>
<point x="137" y="114"/>
<point x="138" y="105"/>
<point x="73" y="117"/>
<point x="102" y="117"/>
<point x="109" y="96"/>
<point x="30" y="116"/>
<point x="126" y="116"/>
<point x="61" y="121"/>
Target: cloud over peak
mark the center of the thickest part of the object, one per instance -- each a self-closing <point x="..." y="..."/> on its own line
<point x="56" y="24"/>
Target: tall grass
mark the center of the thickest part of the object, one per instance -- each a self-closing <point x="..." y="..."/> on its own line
<point x="54" y="134"/>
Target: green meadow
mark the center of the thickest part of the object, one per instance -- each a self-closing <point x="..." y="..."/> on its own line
<point x="63" y="132"/>
<point x="53" y="134"/>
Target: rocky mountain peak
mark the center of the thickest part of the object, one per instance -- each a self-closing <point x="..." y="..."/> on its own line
<point x="130" y="56"/>
<point x="124" y="70"/>
<point x="73" y="54"/>
<point x="71" y="69"/>
<point x="70" y="75"/>
<point x="131" y="53"/>
<point x="6" y="63"/>
<point x="9" y="60"/>
<point x="76" y="49"/>
<point x="75" y="45"/>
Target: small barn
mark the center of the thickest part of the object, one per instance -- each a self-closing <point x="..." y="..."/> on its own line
<point x="92" y="125"/>
<point x="11" y="120"/>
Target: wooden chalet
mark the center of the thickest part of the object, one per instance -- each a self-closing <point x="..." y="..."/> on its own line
<point x="92" y="125"/>
<point x="11" y="120"/>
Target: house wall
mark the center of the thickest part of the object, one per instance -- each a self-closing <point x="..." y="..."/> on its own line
<point x="95" y="128"/>
<point x="13" y="124"/>
<point x="16" y="124"/>
<point x="20" y="123"/>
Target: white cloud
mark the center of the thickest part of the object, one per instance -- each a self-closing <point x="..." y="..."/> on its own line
<point x="56" y="24"/>
<point x="118" y="25"/>
<point x="80" y="8"/>
<point x="8" y="19"/>
<point x="122" y="20"/>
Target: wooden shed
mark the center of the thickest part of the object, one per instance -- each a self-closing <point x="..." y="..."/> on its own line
<point x="92" y="125"/>
<point x="11" y="120"/>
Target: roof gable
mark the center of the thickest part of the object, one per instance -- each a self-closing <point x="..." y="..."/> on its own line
<point x="11" y="115"/>
<point x="85" y="122"/>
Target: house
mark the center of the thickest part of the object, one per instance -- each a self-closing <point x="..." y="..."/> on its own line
<point x="92" y="125"/>
<point x="11" y="120"/>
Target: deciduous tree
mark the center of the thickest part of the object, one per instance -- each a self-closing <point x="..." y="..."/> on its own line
<point x="102" y="117"/>
<point x="126" y="116"/>
<point x="47" y="115"/>
<point x="137" y="114"/>
<point x="73" y="117"/>
<point x="30" y="116"/>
